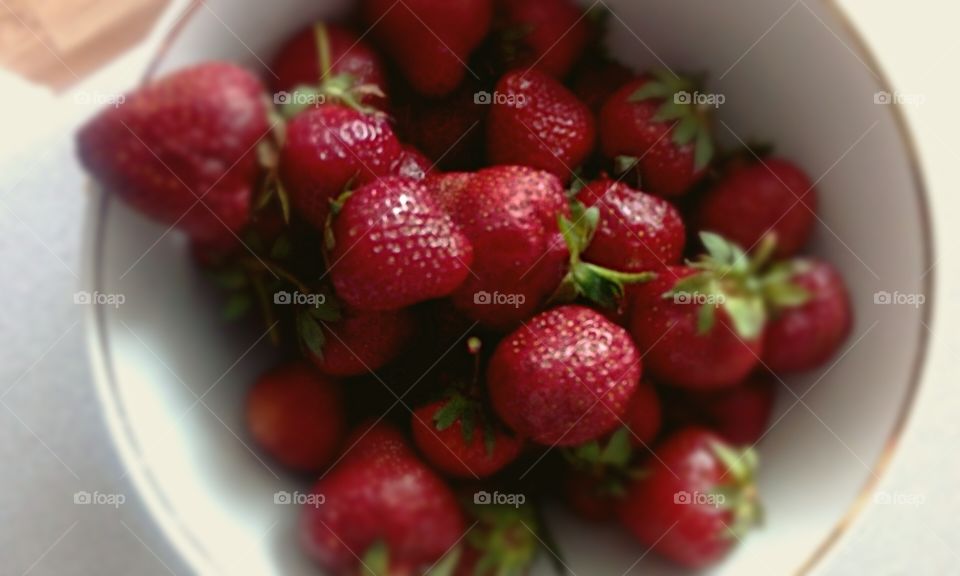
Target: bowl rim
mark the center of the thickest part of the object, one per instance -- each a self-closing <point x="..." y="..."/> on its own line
<point x="192" y="550"/>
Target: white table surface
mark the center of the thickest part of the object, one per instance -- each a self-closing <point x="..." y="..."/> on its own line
<point x="53" y="442"/>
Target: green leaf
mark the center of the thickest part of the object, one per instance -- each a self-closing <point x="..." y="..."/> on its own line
<point x="329" y="311"/>
<point x="718" y="247"/>
<point x="704" y="151"/>
<point x="282" y="248"/>
<point x="618" y="449"/>
<point x="706" y="318"/>
<point x="672" y="111"/>
<point x="624" y="164"/>
<point x="284" y="198"/>
<point x="376" y="560"/>
<point x="650" y="91"/>
<point x="237" y="306"/>
<point x="446" y="566"/>
<point x="686" y="131"/>
<point x="786" y="295"/>
<point x="311" y="334"/>
<point x="451" y="412"/>
<point x="748" y="315"/>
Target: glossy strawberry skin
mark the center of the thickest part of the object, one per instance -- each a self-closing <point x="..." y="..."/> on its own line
<point x="637" y="232"/>
<point x="412" y="164"/>
<point x="554" y="34"/>
<point x="804" y="338"/>
<point x="430" y="40"/>
<point x="380" y="492"/>
<point x="754" y="199"/>
<point x="566" y="377"/>
<point x="297" y="416"/>
<point x="675" y="352"/>
<point x="363" y="342"/>
<point x="396" y="247"/>
<point x="693" y="535"/>
<point x="187" y="136"/>
<point x="449" y="452"/>
<point x="628" y="129"/>
<point x="298" y="62"/>
<point x="330" y="147"/>
<point x="644" y="415"/>
<point x="539" y="124"/>
<point x="509" y="213"/>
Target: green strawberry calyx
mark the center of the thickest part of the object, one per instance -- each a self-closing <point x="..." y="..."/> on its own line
<point x="681" y="106"/>
<point x="595" y="283"/>
<point x="739" y="496"/>
<point x="745" y="286"/>
<point x="611" y="462"/>
<point x="506" y="538"/>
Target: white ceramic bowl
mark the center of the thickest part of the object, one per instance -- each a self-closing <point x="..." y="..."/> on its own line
<point x="794" y="74"/>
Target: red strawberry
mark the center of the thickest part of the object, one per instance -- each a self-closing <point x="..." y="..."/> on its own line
<point x="450" y="131"/>
<point x="588" y="498"/>
<point x="391" y="245"/>
<point x="643" y="415"/>
<point x="329" y="148"/>
<point x="430" y="40"/>
<point x="446" y="187"/>
<point x="456" y="438"/>
<point x="804" y="337"/>
<point x="412" y="164"/>
<point x="598" y="81"/>
<point x="637" y="232"/>
<point x="382" y="506"/>
<point x="510" y="216"/>
<point x="361" y="342"/>
<point x="296" y="415"/>
<point x="756" y="198"/>
<point x="332" y="61"/>
<point x="548" y="35"/>
<point x="183" y="150"/>
<point x="740" y="415"/>
<point x="697" y="500"/>
<point x="504" y="541"/>
<point x="537" y="122"/>
<point x="647" y="126"/>
<point x="564" y="378"/>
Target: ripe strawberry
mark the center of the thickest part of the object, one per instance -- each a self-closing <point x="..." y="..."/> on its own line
<point x="637" y="232"/>
<point x="588" y="498"/>
<point x="643" y="415"/>
<point x="331" y="61"/>
<point x="564" y="378"/>
<point x="647" y="126"/>
<point x="446" y="187"/>
<point x="548" y="35"/>
<point x="697" y="500"/>
<point x="391" y="245"/>
<point x="383" y="507"/>
<point x="504" y="541"/>
<point x="740" y="415"/>
<point x="182" y="150"/>
<point x="450" y="131"/>
<point x="360" y="342"/>
<point x="540" y="124"/>
<point x="756" y="198"/>
<point x="412" y="164"/>
<point x="597" y="82"/>
<point x="804" y="337"/>
<point x="296" y="416"/>
<point x="329" y="148"/>
<point x="430" y="40"/>
<point x="457" y="438"/>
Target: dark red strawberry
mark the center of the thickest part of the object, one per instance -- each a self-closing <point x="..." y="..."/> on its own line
<point x="450" y="131"/>
<point x="183" y="150"/>
<point x="637" y="232"/>
<point x="596" y="82"/>
<point x="754" y="199"/>
<point x="805" y="337"/>
<point x="296" y="415"/>
<point x="740" y="415"/>
<point x="697" y="501"/>
<point x="510" y="216"/>
<point x="564" y="378"/>
<point x="446" y="187"/>
<point x="412" y="164"/>
<point x="330" y="61"/>
<point x="458" y="439"/>
<point x="586" y="495"/>
<point x="329" y="148"/>
<point x="380" y="506"/>
<point x="548" y="35"/>
<point x="643" y="416"/>
<point x="360" y="342"/>
<point x="535" y="121"/>
<point x="391" y="245"/>
<point x="652" y="126"/>
<point x="430" y="40"/>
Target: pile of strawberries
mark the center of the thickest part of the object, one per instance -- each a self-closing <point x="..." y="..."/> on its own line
<point x="500" y="268"/>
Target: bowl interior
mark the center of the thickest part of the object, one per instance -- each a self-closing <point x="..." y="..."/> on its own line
<point x="173" y="375"/>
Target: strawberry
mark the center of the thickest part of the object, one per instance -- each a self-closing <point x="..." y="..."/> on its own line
<point x="430" y="40"/>
<point x="329" y="148"/>
<point x="412" y="164"/>
<point x="450" y="131"/>
<point x="754" y="199"/>
<point x="537" y="122"/>
<point x="649" y="127"/>
<point x="804" y="337"/>
<point x="596" y="82"/>
<point x="643" y="415"/>
<point x="296" y="416"/>
<point x="183" y="150"/>
<point x="548" y="35"/>
<point x="360" y="342"/>
<point x="380" y="506"/>
<point x="588" y="498"/>
<point x="504" y="540"/>
<point x="637" y="232"/>
<point x="697" y="501"/>
<point x="564" y="378"/>
<point x="740" y="415"/>
<point x="390" y="246"/>
<point x="702" y="325"/>
<point x="456" y="438"/>
<point x="329" y="61"/>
